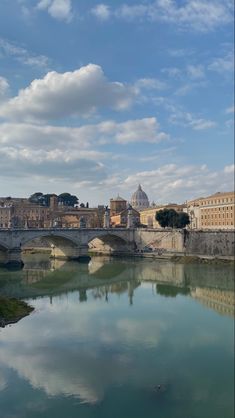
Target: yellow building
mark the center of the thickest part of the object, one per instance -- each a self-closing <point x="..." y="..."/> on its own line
<point x="148" y="216"/>
<point x="217" y="211"/>
<point x="212" y="212"/>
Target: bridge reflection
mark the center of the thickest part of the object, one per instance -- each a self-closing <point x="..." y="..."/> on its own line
<point x="210" y="285"/>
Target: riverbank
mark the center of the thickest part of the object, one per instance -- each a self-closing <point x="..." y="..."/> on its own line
<point x="175" y="257"/>
<point x="12" y="310"/>
<point x="187" y="259"/>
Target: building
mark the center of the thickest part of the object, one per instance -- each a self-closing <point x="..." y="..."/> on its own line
<point x="20" y="213"/>
<point x="139" y="199"/>
<point x="6" y="214"/>
<point x="121" y="219"/>
<point x="216" y="211"/>
<point x="78" y="217"/>
<point x="148" y="216"/>
<point x="117" y="205"/>
<point x="222" y="301"/>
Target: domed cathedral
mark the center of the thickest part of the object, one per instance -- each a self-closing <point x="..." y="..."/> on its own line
<point x="139" y="199"/>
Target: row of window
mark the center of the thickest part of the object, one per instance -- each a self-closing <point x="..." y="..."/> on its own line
<point x="215" y="201"/>
<point x="211" y="216"/>
<point x="217" y="223"/>
<point x="216" y="209"/>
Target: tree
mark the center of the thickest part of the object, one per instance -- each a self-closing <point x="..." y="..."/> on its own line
<point x="35" y="197"/>
<point x="45" y="199"/>
<point x="67" y="199"/>
<point x="183" y="220"/>
<point x="171" y="218"/>
<point x="166" y="217"/>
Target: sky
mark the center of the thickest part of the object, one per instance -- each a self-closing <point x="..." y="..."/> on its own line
<point x="96" y="98"/>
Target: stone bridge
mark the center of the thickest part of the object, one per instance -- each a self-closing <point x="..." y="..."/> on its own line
<point x="75" y="243"/>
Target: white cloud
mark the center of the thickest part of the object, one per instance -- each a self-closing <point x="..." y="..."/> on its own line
<point x="58" y="9"/>
<point x="188" y="120"/>
<point x="4" y="88"/>
<point x="178" y="183"/>
<point x="142" y="130"/>
<point x="195" y="71"/>
<point x="59" y="95"/>
<point x="200" y="15"/>
<point x="223" y="64"/>
<point x="150" y="84"/>
<point x="50" y="137"/>
<point x="22" y="55"/>
<point x="68" y="153"/>
<point x="101" y="11"/>
<point x="229" y="169"/>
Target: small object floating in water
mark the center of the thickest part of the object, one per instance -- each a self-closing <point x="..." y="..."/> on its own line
<point x="160" y="388"/>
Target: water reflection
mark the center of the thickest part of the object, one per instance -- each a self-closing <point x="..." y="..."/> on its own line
<point x="211" y="285"/>
<point x="139" y="326"/>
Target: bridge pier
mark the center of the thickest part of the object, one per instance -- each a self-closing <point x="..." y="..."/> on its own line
<point x="13" y="258"/>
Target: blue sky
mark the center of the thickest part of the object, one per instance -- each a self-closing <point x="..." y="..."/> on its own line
<point x="98" y="97"/>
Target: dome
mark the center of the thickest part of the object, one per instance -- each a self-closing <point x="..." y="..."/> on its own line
<point x="139" y="199"/>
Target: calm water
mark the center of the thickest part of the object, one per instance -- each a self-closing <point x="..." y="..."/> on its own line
<point x="104" y="336"/>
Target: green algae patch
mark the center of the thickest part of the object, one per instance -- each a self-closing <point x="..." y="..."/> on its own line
<point x="12" y="310"/>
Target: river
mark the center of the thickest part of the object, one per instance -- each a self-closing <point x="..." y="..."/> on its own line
<point x="119" y="338"/>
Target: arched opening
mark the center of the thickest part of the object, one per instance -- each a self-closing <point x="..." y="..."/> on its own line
<point x="51" y="246"/>
<point x="109" y="244"/>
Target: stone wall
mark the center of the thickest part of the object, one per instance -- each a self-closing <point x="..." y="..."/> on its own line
<point x="210" y="243"/>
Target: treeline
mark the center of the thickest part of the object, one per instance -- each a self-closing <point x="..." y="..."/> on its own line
<point x="65" y="199"/>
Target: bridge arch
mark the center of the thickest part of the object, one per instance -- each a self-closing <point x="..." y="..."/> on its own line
<point x="109" y="242"/>
<point x="62" y="245"/>
<point x="53" y="236"/>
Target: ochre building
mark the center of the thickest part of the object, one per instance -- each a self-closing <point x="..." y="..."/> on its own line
<point x="213" y="212"/>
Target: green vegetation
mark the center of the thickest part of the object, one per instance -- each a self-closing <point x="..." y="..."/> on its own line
<point x="44" y="199"/>
<point x="12" y="310"/>
<point x="171" y="218"/>
<point x="171" y="291"/>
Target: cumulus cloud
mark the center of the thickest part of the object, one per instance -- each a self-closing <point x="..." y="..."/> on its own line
<point x="66" y="152"/>
<point x="58" y="9"/>
<point x="146" y="130"/>
<point x="22" y="55"/>
<point x="49" y="137"/>
<point x="59" y="95"/>
<point x="197" y="15"/>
